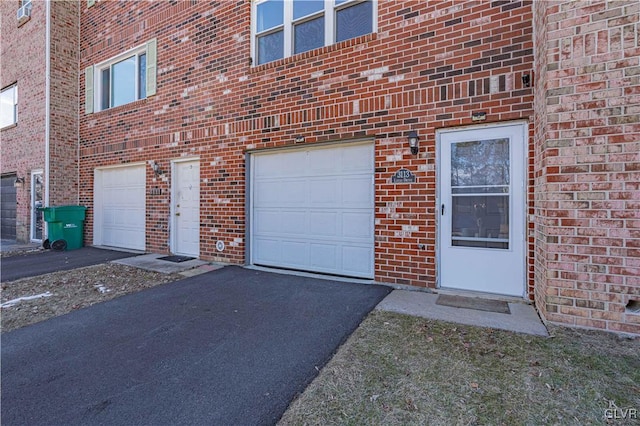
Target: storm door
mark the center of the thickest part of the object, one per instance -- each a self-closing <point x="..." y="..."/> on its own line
<point x="482" y="209"/>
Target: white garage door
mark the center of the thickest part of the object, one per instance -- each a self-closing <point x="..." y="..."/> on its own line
<point x="313" y="210"/>
<point x="120" y="207"/>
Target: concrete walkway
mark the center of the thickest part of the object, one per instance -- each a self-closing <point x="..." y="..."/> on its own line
<point x="522" y="319"/>
<point x="152" y="262"/>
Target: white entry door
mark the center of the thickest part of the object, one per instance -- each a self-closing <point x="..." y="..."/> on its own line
<point x="186" y="208"/>
<point x="482" y="209"/>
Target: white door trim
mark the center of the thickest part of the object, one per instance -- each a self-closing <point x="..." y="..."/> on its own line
<point x="519" y="240"/>
<point x="32" y="227"/>
<point x="172" y="211"/>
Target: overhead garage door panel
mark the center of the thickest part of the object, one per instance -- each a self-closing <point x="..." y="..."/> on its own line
<point x="313" y="210"/>
<point x="8" y="207"/>
<point x="120" y="198"/>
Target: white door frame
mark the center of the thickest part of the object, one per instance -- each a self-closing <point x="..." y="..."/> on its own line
<point x="173" y="223"/>
<point x="32" y="227"/>
<point x="518" y="240"/>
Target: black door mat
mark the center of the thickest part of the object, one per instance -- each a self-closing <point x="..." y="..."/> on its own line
<point x="473" y="303"/>
<point x="176" y="259"/>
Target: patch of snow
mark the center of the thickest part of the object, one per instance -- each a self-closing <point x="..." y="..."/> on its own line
<point x="102" y="289"/>
<point x="13" y="302"/>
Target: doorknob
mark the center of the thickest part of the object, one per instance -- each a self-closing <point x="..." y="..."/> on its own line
<point x="178" y="214"/>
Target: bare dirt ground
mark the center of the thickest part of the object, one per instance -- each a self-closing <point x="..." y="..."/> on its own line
<point x="30" y="300"/>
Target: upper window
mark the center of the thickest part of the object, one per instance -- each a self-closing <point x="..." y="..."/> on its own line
<point x="9" y="106"/>
<point x="24" y="12"/>
<point x="283" y="28"/>
<point x="121" y="80"/>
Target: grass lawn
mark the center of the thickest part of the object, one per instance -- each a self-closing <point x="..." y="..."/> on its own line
<point x="400" y="370"/>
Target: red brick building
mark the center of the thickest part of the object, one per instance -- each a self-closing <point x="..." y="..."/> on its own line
<point x="474" y="146"/>
<point x="38" y="112"/>
<point x="348" y="106"/>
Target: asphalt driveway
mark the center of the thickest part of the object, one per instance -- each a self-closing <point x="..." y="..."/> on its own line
<point x="33" y="264"/>
<point x="233" y="346"/>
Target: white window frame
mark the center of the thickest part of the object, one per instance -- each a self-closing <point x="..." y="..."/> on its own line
<point x="97" y="76"/>
<point x="329" y="13"/>
<point x="14" y="88"/>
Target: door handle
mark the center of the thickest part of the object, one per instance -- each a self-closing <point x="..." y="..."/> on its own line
<point x="177" y="214"/>
<point x="442" y="210"/>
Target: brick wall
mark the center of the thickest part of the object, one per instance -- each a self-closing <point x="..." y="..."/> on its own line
<point x="64" y="103"/>
<point x="429" y="66"/>
<point x="23" y="61"/>
<point x="588" y="163"/>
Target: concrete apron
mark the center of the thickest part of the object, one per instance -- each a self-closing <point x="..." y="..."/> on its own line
<point x="152" y="262"/>
<point x="522" y="319"/>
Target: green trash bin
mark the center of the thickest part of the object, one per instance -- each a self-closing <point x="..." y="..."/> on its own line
<point x="66" y="226"/>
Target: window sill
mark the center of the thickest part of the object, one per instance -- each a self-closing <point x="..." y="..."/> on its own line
<point x="316" y="52"/>
<point x="120" y="108"/>
<point x="23" y="20"/>
<point x="10" y="126"/>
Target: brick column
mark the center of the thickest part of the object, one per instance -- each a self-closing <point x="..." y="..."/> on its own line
<point x="587" y="163"/>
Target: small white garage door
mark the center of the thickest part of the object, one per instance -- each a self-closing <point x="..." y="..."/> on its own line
<point x="313" y="209"/>
<point x="119" y="201"/>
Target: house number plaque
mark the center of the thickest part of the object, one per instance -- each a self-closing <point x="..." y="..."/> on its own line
<point x="403" y="176"/>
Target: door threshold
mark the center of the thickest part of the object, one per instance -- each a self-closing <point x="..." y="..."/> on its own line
<point x="318" y="275"/>
<point x="483" y="295"/>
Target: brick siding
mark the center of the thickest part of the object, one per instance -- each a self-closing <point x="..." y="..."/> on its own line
<point x="587" y="159"/>
<point x="23" y="61"/>
<point x="63" y="137"/>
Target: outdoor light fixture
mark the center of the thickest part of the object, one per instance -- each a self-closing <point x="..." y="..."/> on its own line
<point x="413" y="141"/>
<point x="299" y="139"/>
<point x="156" y="168"/>
<point x="19" y="182"/>
<point x="526" y="80"/>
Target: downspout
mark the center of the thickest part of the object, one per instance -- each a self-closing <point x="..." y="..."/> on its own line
<point x="77" y="103"/>
<point x="47" y="100"/>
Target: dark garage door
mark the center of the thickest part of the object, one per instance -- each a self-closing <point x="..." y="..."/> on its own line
<point x="8" y="207"/>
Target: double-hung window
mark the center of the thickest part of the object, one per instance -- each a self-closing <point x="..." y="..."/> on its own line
<point x="9" y="106"/>
<point x="282" y="28"/>
<point x="121" y="80"/>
